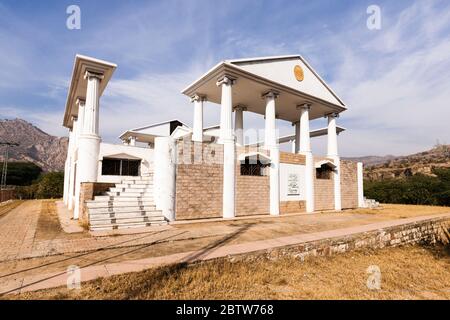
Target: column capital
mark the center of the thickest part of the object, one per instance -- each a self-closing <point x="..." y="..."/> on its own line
<point x="226" y="80"/>
<point x="91" y="74"/>
<point x="240" y="107"/>
<point x="331" y="115"/>
<point x="306" y="105"/>
<point x="198" y="97"/>
<point x="270" y="94"/>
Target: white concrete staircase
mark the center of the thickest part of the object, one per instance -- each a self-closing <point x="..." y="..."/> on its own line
<point x="129" y="204"/>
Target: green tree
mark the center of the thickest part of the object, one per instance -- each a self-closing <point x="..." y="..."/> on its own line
<point x="22" y="173"/>
<point x="416" y="189"/>
<point x="50" y="185"/>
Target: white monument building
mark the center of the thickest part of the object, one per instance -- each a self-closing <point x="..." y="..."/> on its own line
<point x="170" y="171"/>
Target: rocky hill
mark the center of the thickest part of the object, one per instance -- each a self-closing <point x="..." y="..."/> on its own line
<point x="378" y="168"/>
<point x="47" y="151"/>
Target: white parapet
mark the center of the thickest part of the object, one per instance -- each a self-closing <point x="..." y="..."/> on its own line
<point x="361" y="202"/>
<point x="164" y="176"/>
<point x="274" y="181"/>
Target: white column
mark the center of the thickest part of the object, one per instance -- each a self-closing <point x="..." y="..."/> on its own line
<point x="67" y="167"/>
<point x="332" y="152"/>
<point x="132" y="141"/>
<point x="360" y="185"/>
<point x="305" y="149"/>
<point x="293" y="147"/>
<point x="227" y="139"/>
<point x="164" y="176"/>
<point x="270" y="126"/>
<point x="89" y="140"/>
<point x="73" y="150"/>
<point x="197" y="131"/>
<point x="226" y="110"/>
<point x="297" y="136"/>
<point x="239" y="124"/>
<point x="271" y="144"/>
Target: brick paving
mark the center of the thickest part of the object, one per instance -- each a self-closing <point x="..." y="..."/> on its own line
<point x="19" y="240"/>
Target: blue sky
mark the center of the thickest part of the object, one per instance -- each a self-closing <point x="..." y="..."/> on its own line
<point x="395" y="81"/>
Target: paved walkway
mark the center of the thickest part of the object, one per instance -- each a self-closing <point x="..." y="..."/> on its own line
<point x="56" y="279"/>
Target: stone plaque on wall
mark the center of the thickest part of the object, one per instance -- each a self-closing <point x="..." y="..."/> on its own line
<point x="293" y="188"/>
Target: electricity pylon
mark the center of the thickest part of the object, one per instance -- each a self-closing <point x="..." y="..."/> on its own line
<point x="5" y="162"/>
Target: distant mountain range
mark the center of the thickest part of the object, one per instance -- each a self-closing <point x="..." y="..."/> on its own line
<point x="378" y="168"/>
<point x="47" y="151"/>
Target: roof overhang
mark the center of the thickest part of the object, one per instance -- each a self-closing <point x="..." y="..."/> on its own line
<point x="254" y="157"/>
<point x="328" y="163"/>
<point x="248" y="91"/>
<point x="140" y="137"/>
<point x="291" y="137"/>
<point x="78" y="84"/>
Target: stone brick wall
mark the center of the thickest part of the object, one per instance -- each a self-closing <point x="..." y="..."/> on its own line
<point x="349" y="184"/>
<point x="429" y="231"/>
<point x="323" y="191"/>
<point x="252" y="192"/>
<point x="199" y="182"/>
<point x="293" y="158"/>
<point x="88" y="190"/>
<point x="292" y="206"/>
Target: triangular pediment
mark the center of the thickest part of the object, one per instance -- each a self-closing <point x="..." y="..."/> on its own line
<point x="290" y="71"/>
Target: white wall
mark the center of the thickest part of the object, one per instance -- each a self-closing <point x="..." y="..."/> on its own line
<point x="108" y="150"/>
<point x="287" y="169"/>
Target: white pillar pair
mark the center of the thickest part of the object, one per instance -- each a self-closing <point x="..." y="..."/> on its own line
<point x="271" y="144"/>
<point x="88" y="139"/>
<point x="332" y="152"/>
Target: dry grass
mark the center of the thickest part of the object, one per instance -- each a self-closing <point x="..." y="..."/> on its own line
<point x="7" y="207"/>
<point x="400" y="211"/>
<point x="410" y="272"/>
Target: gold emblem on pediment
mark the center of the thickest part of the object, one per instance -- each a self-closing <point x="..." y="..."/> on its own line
<point x="298" y="72"/>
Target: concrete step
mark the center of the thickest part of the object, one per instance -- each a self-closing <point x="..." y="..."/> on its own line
<point x="118" y="204"/>
<point x="114" y="226"/>
<point x="130" y="214"/>
<point x="122" y="198"/>
<point x="144" y="189"/>
<point x="109" y="209"/>
<point x="137" y="180"/>
<point x="134" y="185"/>
<point x="130" y="194"/>
<point x="124" y="219"/>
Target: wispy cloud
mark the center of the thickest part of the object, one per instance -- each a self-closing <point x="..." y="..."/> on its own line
<point x="394" y="81"/>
